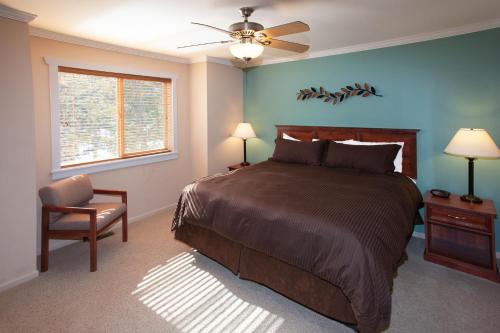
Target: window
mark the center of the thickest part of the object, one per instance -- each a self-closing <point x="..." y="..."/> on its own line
<point x="108" y="119"/>
<point x="105" y="116"/>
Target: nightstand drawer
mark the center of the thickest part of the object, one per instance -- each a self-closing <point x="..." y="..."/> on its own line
<point x="460" y="218"/>
<point x="459" y="244"/>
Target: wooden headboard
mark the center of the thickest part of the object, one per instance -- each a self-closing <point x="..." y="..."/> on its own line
<point x="408" y="136"/>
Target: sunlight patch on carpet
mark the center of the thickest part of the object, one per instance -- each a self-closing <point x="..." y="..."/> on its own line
<point x="195" y="301"/>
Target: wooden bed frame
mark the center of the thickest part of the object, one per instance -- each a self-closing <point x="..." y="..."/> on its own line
<point x="290" y="281"/>
<point x="408" y="136"/>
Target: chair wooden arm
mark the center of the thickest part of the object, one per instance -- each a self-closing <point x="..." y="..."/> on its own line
<point x="121" y="193"/>
<point x="69" y="210"/>
<point x="47" y="209"/>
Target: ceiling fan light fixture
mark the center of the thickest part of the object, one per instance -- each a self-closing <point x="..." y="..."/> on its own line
<point x="246" y="50"/>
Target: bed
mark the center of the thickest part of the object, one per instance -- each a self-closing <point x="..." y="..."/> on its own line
<point x="328" y="238"/>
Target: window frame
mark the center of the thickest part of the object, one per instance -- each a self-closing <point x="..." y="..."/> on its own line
<point x="59" y="172"/>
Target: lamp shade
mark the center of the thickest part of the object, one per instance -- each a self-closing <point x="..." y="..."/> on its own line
<point x="244" y="130"/>
<point x="473" y="143"/>
<point x="246" y="50"/>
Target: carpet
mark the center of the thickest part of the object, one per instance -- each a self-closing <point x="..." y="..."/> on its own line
<point x="154" y="283"/>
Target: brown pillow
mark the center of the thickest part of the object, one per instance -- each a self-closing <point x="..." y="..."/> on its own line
<point x="303" y="152"/>
<point x="377" y="158"/>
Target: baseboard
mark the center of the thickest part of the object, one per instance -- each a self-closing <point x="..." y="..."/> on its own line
<point x="17" y="281"/>
<point x="63" y="243"/>
<point x="421" y="235"/>
<point x="151" y="213"/>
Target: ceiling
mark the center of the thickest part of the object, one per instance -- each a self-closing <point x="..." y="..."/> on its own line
<point x="162" y="25"/>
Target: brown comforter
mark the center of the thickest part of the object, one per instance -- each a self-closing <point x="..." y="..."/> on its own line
<point x="345" y="226"/>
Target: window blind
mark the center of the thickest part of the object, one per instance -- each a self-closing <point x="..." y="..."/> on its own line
<point x="88" y="118"/>
<point x="106" y="116"/>
<point x="145" y="116"/>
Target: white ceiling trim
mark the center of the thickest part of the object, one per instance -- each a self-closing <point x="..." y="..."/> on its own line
<point x="104" y="46"/>
<point x="317" y="54"/>
<point x="37" y="32"/>
<point x="15" y="14"/>
<point x="390" y="42"/>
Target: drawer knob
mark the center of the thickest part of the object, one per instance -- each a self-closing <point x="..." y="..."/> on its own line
<point x="456" y="217"/>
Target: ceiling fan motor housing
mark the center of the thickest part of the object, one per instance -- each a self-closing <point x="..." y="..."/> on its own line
<point x="245" y="29"/>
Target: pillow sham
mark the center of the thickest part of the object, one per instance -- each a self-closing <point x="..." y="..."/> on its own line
<point x="303" y="152"/>
<point x="398" y="160"/>
<point x="371" y="158"/>
<point x="291" y="138"/>
<point x="288" y="137"/>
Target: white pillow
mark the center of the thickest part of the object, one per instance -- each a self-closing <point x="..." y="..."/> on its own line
<point x="288" y="137"/>
<point x="398" y="161"/>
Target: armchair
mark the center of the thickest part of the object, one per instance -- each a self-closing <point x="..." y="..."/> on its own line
<point x="67" y="213"/>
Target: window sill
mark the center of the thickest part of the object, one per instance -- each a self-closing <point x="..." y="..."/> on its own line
<point x="113" y="165"/>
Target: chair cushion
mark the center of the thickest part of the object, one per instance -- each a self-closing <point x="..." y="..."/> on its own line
<point x="73" y="191"/>
<point x="106" y="213"/>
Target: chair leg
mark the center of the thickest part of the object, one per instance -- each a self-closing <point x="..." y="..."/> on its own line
<point x="44" y="257"/>
<point x="93" y="250"/>
<point x="45" y="251"/>
<point x="124" y="227"/>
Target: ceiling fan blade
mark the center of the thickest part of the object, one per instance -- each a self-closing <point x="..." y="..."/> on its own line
<point x="219" y="42"/>
<point x="289" y="46"/>
<point x="212" y="27"/>
<point x="285" y="29"/>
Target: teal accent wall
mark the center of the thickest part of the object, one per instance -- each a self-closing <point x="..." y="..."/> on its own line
<point x="436" y="86"/>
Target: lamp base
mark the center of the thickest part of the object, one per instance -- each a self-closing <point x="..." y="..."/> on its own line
<point x="471" y="198"/>
<point x="244" y="164"/>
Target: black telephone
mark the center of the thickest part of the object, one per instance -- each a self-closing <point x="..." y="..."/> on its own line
<point x="440" y="193"/>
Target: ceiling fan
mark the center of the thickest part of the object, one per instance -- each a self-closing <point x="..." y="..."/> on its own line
<point x="252" y="37"/>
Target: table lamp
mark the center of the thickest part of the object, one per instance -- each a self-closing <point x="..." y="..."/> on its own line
<point x="472" y="143"/>
<point x="244" y="131"/>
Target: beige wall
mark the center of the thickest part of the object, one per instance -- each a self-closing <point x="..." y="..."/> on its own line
<point x="199" y="109"/>
<point x="17" y="166"/>
<point x="216" y="109"/>
<point x="209" y="105"/>
<point x="150" y="187"/>
<point x="225" y="111"/>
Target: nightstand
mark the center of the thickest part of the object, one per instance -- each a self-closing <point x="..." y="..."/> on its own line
<point x="237" y="166"/>
<point x="461" y="235"/>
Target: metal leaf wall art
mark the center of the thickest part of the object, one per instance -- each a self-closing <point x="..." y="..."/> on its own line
<point x="339" y="96"/>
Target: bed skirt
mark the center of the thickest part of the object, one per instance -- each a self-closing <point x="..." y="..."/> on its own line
<point x="290" y="281"/>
